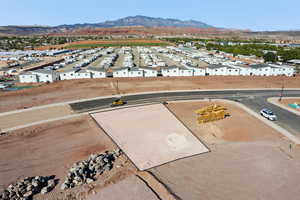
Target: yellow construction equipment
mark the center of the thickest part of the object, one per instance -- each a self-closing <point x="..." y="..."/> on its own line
<point x="211" y="113"/>
<point x="118" y="102"/>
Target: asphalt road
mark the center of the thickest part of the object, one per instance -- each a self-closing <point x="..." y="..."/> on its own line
<point x="253" y="99"/>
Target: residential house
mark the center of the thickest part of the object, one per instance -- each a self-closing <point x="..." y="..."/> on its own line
<point x="28" y="77"/>
<point x="44" y="75"/>
<point x="97" y="72"/>
<point x="120" y="72"/>
<point x="68" y="74"/>
<point x="135" y="72"/>
<point x="149" y="71"/>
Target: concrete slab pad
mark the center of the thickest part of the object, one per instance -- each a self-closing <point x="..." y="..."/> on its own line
<point x="149" y="135"/>
<point x="131" y="188"/>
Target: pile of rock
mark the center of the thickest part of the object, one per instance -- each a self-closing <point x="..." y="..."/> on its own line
<point x="86" y="171"/>
<point x="27" y="187"/>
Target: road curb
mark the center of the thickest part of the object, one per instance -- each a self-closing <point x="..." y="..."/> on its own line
<point x="275" y="101"/>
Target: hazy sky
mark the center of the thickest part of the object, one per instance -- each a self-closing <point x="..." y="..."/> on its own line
<point x="250" y="14"/>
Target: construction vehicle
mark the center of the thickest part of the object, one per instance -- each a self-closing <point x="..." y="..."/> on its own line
<point x="211" y="113"/>
<point x="118" y="102"/>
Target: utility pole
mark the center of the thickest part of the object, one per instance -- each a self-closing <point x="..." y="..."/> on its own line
<point x="282" y="88"/>
<point x="117" y="87"/>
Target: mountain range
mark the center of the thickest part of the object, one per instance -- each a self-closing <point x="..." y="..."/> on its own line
<point x="142" y="21"/>
<point x="131" y="21"/>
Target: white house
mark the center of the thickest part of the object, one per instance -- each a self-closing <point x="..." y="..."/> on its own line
<point x="185" y="72"/>
<point x="170" y="71"/>
<point x="231" y="71"/>
<point x="294" y="62"/>
<point x="216" y="70"/>
<point x="288" y="70"/>
<point x="196" y="70"/>
<point x="282" y="70"/>
<point x="28" y="77"/>
<point x="149" y="72"/>
<point x="83" y="74"/>
<point x="135" y="73"/>
<point x="68" y="74"/>
<point x="97" y="72"/>
<point x="244" y="71"/>
<point x="120" y="72"/>
<point x="261" y="70"/>
<point x="176" y="71"/>
<point x="44" y="75"/>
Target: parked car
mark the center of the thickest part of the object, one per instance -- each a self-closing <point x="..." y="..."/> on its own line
<point x="267" y="113"/>
<point x="2" y="86"/>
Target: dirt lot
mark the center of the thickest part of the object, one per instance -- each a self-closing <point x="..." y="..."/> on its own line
<point x="78" y="89"/>
<point x="30" y="116"/>
<point x="248" y="160"/>
<point x="132" y="188"/>
<point x="50" y="149"/>
<point x="232" y="129"/>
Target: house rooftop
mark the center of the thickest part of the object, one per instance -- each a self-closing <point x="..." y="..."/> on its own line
<point x="294" y="61"/>
<point x="82" y="71"/>
<point x="135" y="69"/>
<point x="148" y="68"/>
<point x="69" y="70"/>
<point x="216" y="66"/>
<point x="170" y="67"/>
<point x="96" y="69"/>
<point x="26" y="73"/>
<point x="119" y="69"/>
<point x="258" y="66"/>
<point x="43" y="71"/>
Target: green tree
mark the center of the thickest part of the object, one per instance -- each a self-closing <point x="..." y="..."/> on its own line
<point x="270" y="57"/>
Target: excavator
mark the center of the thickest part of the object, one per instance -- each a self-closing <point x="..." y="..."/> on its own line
<point x="119" y="101"/>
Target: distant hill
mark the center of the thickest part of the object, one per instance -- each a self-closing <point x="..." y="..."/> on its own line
<point x="141" y="21"/>
<point x="133" y="21"/>
<point x="25" y="30"/>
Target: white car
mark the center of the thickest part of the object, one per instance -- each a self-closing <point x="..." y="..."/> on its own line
<point x="2" y="86"/>
<point x="268" y="114"/>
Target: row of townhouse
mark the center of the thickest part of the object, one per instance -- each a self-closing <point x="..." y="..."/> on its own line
<point x="224" y="70"/>
<point x="135" y="72"/>
<point x="171" y="71"/>
<point x="43" y="75"/>
<point x="91" y="72"/>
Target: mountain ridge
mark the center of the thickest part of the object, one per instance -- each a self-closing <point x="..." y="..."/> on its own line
<point x="140" y="20"/>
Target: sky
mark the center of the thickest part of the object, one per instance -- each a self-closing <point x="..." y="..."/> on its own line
<point x="256" y="15"/>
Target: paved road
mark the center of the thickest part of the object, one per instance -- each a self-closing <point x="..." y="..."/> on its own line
<point x="253" y="99"/>
<point x="286" y="119"/>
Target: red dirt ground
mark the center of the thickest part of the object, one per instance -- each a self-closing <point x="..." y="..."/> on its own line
<point x="231" y="129"/>
<point x="248" y="160"/>
<point x="50" y="149"/>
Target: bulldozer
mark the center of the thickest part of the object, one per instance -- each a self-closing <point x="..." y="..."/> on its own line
<point x="211" y="113"/>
